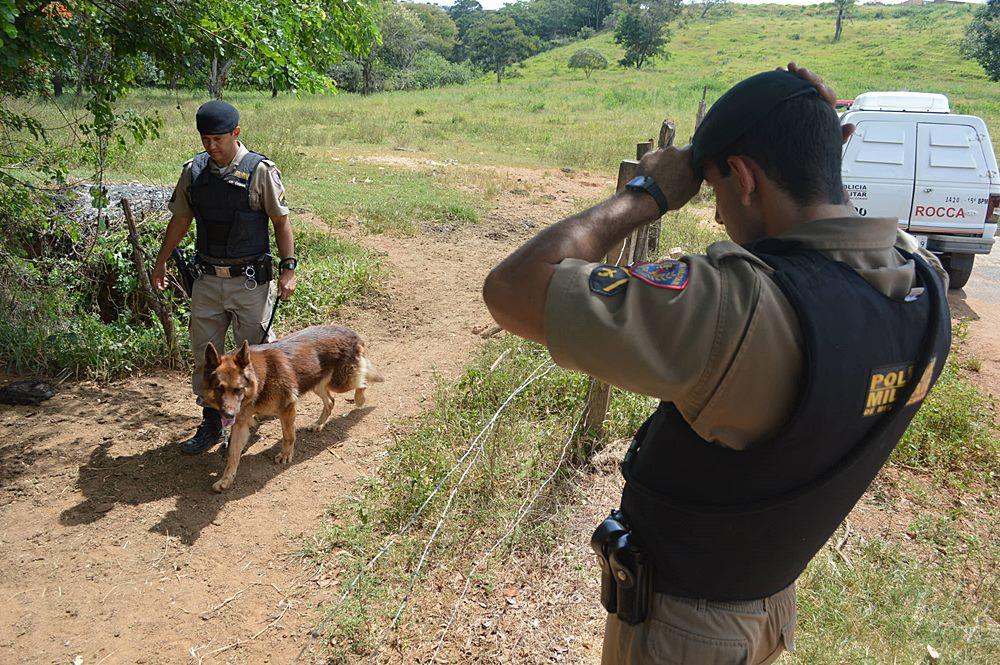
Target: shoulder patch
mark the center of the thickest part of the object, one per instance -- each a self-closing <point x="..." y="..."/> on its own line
<point x="607" y="280"/>
<point x="668" y="274"/>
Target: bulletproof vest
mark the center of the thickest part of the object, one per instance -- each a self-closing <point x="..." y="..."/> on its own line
<point x="726" y="524"/>
<point x="226" y="226"/>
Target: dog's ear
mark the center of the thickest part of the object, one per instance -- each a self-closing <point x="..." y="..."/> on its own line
<point x="211" y="358"/>
<point x="243" y="356"/>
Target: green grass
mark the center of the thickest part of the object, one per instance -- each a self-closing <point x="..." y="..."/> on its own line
<point x="887" y="606"/>
<point x="953" y="432"/>
<point x="383" y="199"/>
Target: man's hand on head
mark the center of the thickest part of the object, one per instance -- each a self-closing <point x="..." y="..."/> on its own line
<point x="824" y="90"/>
<point x="671" y="168"/>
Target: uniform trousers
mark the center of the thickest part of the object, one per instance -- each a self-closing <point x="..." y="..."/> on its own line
<point x="685" y="631"/>
<point x="220" y="302"/>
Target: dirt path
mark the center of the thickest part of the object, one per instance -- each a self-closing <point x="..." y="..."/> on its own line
<point x="113" y="546"/>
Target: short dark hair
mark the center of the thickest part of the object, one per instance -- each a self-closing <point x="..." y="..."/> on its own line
<point x="798" y="145"/>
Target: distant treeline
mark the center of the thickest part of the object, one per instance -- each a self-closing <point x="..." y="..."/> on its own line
<point x="426" y="45"/>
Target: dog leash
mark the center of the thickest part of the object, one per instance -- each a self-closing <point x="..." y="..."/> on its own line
<point x="274" y="310"/>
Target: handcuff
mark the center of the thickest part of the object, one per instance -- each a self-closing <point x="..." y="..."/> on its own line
<point x="251" y="278"/>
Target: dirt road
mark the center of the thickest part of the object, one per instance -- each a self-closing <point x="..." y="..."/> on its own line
<point x="979" y="302"/>
<point x="113" y="546"/>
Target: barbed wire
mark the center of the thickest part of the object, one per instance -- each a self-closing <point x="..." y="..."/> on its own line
<point x="521" y="514"/>
<point x="391" y="541"/>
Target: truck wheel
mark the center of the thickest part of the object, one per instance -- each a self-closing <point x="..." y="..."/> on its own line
<point x="959" y="268"/>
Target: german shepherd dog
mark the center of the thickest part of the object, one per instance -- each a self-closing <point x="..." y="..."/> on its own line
<point x="267" y="380"/>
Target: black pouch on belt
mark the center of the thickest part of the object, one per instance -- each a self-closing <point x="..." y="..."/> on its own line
<point x="265" y="269"/>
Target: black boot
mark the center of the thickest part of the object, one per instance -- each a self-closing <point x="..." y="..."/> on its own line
<point x="209" y="433"/>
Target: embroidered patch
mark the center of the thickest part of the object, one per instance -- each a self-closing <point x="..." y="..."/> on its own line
<point x="276" y="177"/>
<point x="608" y="280"/>
<point x="669" y="274"/>
<point x="883" y="386"/>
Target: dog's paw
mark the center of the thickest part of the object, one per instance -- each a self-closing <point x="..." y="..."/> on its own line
<point x="222" y="485"/>
<point x="316" y="427"/>
<point x="283" y="457"/>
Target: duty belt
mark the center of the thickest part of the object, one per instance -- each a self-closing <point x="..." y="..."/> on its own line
<point x="255" y="271"/>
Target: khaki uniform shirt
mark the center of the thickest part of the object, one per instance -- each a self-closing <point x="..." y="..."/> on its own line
<point x="726" y="349"/>
<point x="267" y="192"/>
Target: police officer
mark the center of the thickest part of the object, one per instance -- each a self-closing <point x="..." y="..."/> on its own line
<point x="788" y="361"/>
<point x="231" y="192"/>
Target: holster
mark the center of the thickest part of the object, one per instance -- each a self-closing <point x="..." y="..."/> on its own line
<point x="625" y="578"/>
<point x="628" y="564"/>
<point x="185" y="270"/>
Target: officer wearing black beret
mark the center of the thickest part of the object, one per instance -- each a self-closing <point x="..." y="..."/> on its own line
<point x="231" y="193"/>
<point x="788" y="363"/>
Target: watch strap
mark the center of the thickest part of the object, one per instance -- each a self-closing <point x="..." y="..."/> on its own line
<point x="646" y="184"/>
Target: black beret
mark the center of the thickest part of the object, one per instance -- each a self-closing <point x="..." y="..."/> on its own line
<point x="217" y="118"/>
<point x="741" y="107"/>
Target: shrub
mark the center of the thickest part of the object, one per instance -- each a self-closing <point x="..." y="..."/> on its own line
<point x="432" y="70"/>
<point x="588" y="60"/>
<point x="586" y="32"/>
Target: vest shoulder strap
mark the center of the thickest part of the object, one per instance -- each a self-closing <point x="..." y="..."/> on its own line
<point x="198" y="165"/>
<point x="248" y="166"/>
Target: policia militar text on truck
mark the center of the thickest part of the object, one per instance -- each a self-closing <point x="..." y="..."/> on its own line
<point x="935" y="172"/>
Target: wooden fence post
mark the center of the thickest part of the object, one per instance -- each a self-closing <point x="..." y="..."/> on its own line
<point x="153" y="300"/>
<point x="639" y="246"/>
<point x="701" y="109"/>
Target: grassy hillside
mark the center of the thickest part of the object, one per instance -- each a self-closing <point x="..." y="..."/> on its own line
<point x="552" y="116"/>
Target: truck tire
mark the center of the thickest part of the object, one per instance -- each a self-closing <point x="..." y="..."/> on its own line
<point x="959" y="268"/>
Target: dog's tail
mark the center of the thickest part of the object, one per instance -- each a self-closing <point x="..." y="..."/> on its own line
<point x="368" y="374"/>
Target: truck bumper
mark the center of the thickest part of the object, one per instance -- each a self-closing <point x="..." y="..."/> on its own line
<point x="941" y="244"/>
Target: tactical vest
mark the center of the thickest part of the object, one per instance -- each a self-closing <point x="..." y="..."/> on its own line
<point x="227" y="228"/>
<point x="725" y="524"/>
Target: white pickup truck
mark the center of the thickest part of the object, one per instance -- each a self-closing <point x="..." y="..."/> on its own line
<point x="911" y="159"/>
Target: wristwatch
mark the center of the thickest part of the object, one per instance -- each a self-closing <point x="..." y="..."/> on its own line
<point x="289" y="263"/>
<point x="643" y="183"/>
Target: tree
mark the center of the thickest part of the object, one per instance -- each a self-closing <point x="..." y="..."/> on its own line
<point x="843" y="9"/>
<point x="495" y="42"/>
<point x="642" y="35"/>
<point x="595" y="11"/>
<point x="287" y="38"/>
<point x="588" y="59"/>
<point x="465" y="13"/>
<point x="440" y="31"/>
<point x="982" y="39"/>
<point x="708" y="4"/>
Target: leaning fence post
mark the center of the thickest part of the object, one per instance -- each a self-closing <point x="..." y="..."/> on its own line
<point x="153" y="300"/>
<point x="636" y="247"/>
